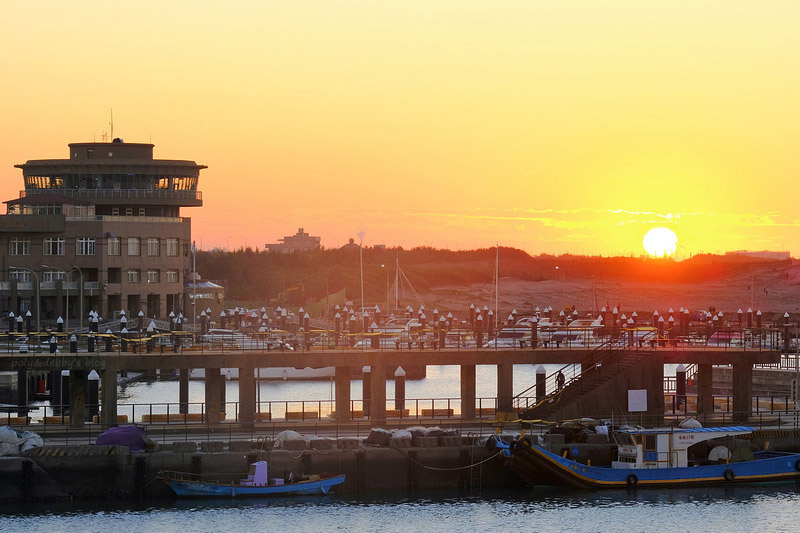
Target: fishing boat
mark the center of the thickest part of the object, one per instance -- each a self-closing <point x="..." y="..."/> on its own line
<point x="257" y="483"/>
<point x="653" y="458"/>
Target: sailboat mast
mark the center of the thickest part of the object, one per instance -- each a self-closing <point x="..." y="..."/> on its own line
<point x="397" y="281"/>
<point x="496" y="287"/>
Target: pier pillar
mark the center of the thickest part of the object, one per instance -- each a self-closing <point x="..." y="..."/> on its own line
<point x="366" y="388"/>
<point x="377" y="408"/>
<point x="468" y="400"/>
<point x="742" y="391"/>
<point x="247" y="396"/>
<point x="342" y="384"/>
<point x="77" y="391"/>
<point x="183" y="390"/>
<point x="22" y="390"/>
<point x="108" y="396"/>
<point x="213" y="397"/>
<point x="505" y="385"/>
<point x="705" y="389"/>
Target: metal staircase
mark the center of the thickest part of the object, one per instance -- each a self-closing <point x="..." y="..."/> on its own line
<point x="599" y="366"/>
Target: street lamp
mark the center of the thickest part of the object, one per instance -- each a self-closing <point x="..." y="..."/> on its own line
<point x="38" y="328"/>
<point x="80" y="293"/>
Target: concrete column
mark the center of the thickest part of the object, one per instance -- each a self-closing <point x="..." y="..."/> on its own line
<point x="705" y="389"/>
<point x="366" y="388"/>
<point x="247" y="396"/>
<point x="468" y="392"/>
<point x="742" y="391"/>
<point x="400" y="389"/>
<point x="680" y="388"/>
<point x="212" y="395"/>
<point x="77" y="390"/>
<point x="377" y="409"/>
<point x="22" y="388"/>
<point x="541" y="383"/>
<point x="505" y="385"/>
<point x="108" y="396"/>
<point x="183" y="390"/>
<point x="342" y="384"/>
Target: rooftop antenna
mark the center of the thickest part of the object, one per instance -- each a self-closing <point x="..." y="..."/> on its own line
<point x="112" y="124"/>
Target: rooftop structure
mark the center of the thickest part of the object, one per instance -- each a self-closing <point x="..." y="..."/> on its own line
<point x="101" y="230"/>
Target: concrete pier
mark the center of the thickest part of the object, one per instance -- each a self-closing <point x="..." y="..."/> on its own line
<point x="645" y="374"/>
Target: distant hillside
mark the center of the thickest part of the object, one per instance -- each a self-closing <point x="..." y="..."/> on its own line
<point x="261" y="275"/>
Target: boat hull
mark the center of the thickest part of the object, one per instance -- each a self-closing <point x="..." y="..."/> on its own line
<point x="537" y="466"/>
<point x="194" y="489"/>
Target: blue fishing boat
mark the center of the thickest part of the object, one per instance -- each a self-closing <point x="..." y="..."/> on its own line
<point x="257" y="483"/>
<point x="652" y="458"/>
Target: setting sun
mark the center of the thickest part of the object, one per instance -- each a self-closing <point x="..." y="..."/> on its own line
<point x="660" y="242"/>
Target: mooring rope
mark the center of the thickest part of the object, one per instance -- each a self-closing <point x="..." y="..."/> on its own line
<point x="447" y="469"/>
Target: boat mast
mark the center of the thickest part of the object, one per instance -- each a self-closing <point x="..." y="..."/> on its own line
<point x="496" y="286"/>
<point x="397" y="282"/>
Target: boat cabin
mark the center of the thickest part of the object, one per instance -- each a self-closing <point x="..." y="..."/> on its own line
<point x="257" y="475"/>
<point x="665" y="447"/>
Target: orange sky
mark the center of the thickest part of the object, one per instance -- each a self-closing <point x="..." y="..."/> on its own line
<point x="553" y="126"/>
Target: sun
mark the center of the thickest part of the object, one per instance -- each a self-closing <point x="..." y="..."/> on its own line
<point x="660" y="242"/>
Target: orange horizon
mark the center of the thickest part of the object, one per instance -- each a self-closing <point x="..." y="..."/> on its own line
<point x="553" y="128"/>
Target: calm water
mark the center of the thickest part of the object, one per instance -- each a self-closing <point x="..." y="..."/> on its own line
<point x="765" y="508"/>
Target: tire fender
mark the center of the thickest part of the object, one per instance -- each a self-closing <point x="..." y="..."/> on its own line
<point x="632" y="480"/>
<point x="729" y="475"/>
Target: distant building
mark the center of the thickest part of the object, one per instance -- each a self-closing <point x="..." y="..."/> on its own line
<point x="763" y="254"/>
<point x="300" y="241"/>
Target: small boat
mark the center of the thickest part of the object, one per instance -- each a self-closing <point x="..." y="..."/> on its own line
<point x="257" y="483"/>
<point x="652" y="458"/>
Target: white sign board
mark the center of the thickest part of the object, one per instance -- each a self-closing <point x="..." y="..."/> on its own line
<point x="637" y="400"/>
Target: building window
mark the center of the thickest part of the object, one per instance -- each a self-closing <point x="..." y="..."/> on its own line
<point x="115" y="211"/>
<point x="133" y="276"/>
<point x="128" y="211"/>
<point x="54" y="275"/>
<point x="19" y="275"/>
<point x="53" y="246"/>
<point x="172" y="276"/>
<point x="114" y="246"/>
<point x="84" y="246"/>
<point x="172" y="247"/>
<point x="153" y="245"/>
<point x="141" y="211"/>
<point x="19" y="247"/>
<point x="152" y="276"/>
<point x="134" y="247"/>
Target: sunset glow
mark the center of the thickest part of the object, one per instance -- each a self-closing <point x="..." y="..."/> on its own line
<point x="554" y="127"/>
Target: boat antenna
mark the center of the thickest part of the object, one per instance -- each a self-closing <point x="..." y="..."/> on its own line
<point x="111" y="124"/>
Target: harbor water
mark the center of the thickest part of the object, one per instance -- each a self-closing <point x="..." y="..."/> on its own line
<point x="733" y="508"/>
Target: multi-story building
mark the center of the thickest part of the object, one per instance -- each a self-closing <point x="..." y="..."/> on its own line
<point x="99" y="231"/>
<point x="300" y="241"/>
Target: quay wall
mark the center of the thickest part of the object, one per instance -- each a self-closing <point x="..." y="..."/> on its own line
<point x="103" y="472"/>
<point x="96" y="472"/>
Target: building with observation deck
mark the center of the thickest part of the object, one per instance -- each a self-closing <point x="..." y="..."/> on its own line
<point x="99" y="231"/>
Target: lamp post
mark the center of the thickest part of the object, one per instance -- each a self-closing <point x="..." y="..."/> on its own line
<point x="66" y="278"/>
<point x="387" y="288"/>
<point x="38" y="328"/>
